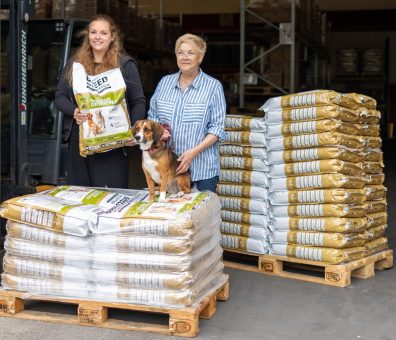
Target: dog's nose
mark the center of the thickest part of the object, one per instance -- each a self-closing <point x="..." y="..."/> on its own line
<point x="137" y="137"/>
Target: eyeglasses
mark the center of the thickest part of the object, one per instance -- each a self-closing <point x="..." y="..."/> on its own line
<point x="188" y="54"/>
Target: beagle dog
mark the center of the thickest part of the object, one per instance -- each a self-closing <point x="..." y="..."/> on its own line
<point x="159" y="163"/>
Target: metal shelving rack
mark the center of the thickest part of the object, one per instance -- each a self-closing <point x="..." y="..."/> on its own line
<point x="286" y="37"/>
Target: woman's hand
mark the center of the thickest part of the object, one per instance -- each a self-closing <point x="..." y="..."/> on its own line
<point x="165" y="135"/>
<point x="79" y="117"/>
<point x="185" y="160"/>
<point x="131" y="143"/>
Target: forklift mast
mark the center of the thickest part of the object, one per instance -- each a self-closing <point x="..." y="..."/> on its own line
<point x="20" y="13"/>
<point x="36" y="152"/>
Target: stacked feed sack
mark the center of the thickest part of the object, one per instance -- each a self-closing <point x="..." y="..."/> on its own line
<point x="326" y="193"/>
<point x="102" y="245"/>
<point x="243" y="185"/>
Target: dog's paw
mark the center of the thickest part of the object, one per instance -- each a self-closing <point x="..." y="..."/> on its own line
<point x="162" y="197"/>
<point x="177" y="195"/>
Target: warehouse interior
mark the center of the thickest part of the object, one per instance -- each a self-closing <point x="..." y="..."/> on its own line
<point x="258" y="49"/>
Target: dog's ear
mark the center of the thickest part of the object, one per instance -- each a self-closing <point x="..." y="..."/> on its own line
<point x="158" y="131"/>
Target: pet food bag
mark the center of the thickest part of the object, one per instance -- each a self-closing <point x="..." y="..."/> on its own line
<point x="238" y="122"/>
<point x="311" y="154"/>
<point x="102" y="98"/>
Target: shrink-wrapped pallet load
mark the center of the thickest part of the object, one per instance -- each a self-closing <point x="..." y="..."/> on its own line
<point x="106" y="245"/>
<point x="243" y="185"/>
<point x="326" y="193"/>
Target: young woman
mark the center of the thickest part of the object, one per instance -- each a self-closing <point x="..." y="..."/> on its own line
<point x="193" y="105"/>
<point x="100" y="51"/>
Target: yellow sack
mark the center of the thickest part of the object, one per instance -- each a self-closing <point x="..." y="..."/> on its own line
<point x="376" y="245"/>
<point x="327" y="255"/>
<point x="325" y="210"/>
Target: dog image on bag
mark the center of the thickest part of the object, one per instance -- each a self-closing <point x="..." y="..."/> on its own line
<point x="159" y="162"/>
<point x="93" y="127"/>
<point x="100" y="121"/>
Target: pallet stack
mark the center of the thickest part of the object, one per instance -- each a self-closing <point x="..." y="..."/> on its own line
<point x="326" y="183"/>
<point x="100" y="245"/>
<point x="243" y="185"/>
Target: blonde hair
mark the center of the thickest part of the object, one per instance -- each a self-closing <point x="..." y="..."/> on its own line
<point x="194" y="39"/>
<point x="85" y="56"/>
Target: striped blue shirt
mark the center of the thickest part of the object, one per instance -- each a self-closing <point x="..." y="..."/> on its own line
<point x="191" y="115"/>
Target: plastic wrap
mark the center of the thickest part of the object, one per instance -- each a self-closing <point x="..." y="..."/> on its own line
<point x="328" y="152"/>
<point x="318" y="239"/>
<point x="138" y="279"/>
<point x="376" y="245"/>
<point x="375" y="206"/>
<point x="372" y="167"/>
<point x="376" y="232"/>
<point x="376" y="219"/>
<point x="327" y="224"/>
<point x="374" y="179"/>
<point x="112" y="260"/>
<point x="165" y="298"/>
<point x="375" y="192"/>
<point x="328" y="255"/>
<point x="373" y="155"/>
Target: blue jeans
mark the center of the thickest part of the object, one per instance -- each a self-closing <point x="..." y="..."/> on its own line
<point x="207" y="184"/>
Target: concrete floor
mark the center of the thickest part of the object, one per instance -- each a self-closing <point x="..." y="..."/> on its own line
<point x="264" y="307"/>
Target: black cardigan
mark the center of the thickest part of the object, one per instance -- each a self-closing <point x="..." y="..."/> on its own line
<point x="136" y="102"/>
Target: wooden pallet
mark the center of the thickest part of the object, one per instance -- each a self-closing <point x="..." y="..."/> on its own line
<point x="182" y="322"/>
<point x="299" y="269"/>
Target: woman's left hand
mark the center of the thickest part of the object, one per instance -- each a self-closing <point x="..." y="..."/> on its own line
<point x="185" y="160"/>
<point x="131" y="143"/>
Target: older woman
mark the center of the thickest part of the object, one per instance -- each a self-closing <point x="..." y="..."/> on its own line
<point x="192" y="104"/>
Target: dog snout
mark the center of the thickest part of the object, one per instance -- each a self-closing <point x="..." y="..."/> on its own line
<point x="138" y="138"/>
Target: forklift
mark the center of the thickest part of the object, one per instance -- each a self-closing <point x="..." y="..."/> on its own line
<point x="33" y="54"/>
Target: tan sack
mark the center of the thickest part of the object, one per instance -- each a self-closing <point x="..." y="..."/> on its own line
<point x="327" y="152"/>
<point x="244" y="243"/>
<point x="319" y="97"/>
<point x="258" y="178"/>
<point x="340" y="196"/>
<point x="327" y="224"/>
<point x="243" y="230"/>
<point x="377" y="219"/>
<point x="243" y="163"/>
<point x="312" y="113"/>
<point x="239" y="122"/>
<point x="316" y="181"/>
<point x="254" y="220"/>
<point x="325" y="210"/>
<point x="316" y="167"/>
<point x="327" y="255"/>
<point x="376" y="245"/>
<point x="242" y="151"/>
<point x="314" y="126"/>
<point x="245" y="191"/>
<point x="318" y="239"/>
<point x="320" y="139"/>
